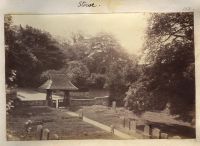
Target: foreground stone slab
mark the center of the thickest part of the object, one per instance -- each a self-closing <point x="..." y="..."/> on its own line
<point x="156" y="133"/>
<point x="164" y="136"/>
<point x="39" y="132"/>
<point x="45" y="134"/>
<point x="147" y="132"/>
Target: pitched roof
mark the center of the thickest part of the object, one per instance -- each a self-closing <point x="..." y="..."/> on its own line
<point x="58" y="82"/>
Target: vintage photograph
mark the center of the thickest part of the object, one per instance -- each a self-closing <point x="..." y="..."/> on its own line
<point x="100" y="76"/>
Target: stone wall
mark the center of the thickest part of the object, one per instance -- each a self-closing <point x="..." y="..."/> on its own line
<point x="88" y="102"/>
<point x="34" y="103"/>
<point x="102" y="100"/>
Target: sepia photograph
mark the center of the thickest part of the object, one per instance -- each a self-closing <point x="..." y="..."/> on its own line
<point x="119" y="76"/>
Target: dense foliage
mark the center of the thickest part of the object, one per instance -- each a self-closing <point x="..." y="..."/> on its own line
<point x="168" y="74"/>
<point x="90" y="62"/>
<point x="29" y="52"/>
<point x="166" y="78"/>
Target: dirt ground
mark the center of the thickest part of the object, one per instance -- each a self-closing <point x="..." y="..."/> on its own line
<point x="58" y="122"/>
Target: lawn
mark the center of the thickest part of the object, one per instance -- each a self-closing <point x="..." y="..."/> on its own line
<point x="164" y="122"/>
<point x="58" y="122"/>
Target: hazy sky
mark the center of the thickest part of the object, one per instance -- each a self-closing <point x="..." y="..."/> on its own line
<point x="127" y="28"/>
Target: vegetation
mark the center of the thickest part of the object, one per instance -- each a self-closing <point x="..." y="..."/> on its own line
<point x="165" y="78"/>
<point x="29" y="52"/>
<point x="168" y="76"/>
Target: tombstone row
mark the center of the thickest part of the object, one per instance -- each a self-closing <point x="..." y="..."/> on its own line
<point x="154" y="133"/>
<point x="149" y="132"/>
<point x="41" y="133"/>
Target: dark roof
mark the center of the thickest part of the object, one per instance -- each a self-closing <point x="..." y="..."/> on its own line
<point x="58" y="82"/>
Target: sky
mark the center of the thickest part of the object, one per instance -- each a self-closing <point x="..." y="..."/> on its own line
<point x="128" y="28"/>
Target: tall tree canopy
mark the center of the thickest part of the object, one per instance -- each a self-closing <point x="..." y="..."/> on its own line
<point x="169" y="75"/>
<point x="30" y="51"/>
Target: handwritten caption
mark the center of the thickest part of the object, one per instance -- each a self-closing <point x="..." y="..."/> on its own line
<point x="87" y="4"/>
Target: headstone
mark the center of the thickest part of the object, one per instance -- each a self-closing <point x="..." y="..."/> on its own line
<point x="55" y="137"/>
<point x="156" y="133"/>
<point x="133" y="125"/>
<point x="39" y="132"/>
<point x="164" y="136"/>
<point x="9" y="137"/>
<point x="147" y="131"/>
<point x="45" y="134"/>
<point x="81" y="114"/>
<point x="114" y="105"/>
<point x="112" y="128"/>
<point x="176" y="137"/>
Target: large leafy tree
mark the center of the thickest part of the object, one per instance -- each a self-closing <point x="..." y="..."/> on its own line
<point x="169" y="68"/>
<point x="78" y="73"/>
<point x="29" y="52"/>
<point x="108" y="64"/>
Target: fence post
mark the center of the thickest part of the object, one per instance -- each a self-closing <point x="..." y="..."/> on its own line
<point x="114" y="106"/>
<point x="57" y="104"/>
<point x="112" y="129"/>
<point x="123" y="121"/>
<point x="81" y="114"/>
<point x="129" y="128"/>
<point x="133" y="125"/>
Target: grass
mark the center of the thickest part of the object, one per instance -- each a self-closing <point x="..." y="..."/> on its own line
<point x="55" y="120"/>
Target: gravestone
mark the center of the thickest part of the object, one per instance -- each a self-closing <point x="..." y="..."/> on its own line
<point x="55" y="137"/>
<point x="176" y="137"/>
<point x="133" y="125"/>
<point x="156" y="133"/>
<point x="114" y="105"/>
<point x="112" y="128"/>
<point x="164" y="136"/>
<point x="45" y="134"/>
<point x="39" y="132"/>
<point x="81" y="114"/>
<point x="147" y="131"/>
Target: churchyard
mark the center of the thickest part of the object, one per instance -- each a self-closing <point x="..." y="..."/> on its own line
<point x="25" y="120"/>
<point x="144" y="71"/>
<point x="56" y="121"/>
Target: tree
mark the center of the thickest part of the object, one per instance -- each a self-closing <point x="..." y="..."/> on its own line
<point x="169" y="73"/>
<point x="78" y="73"/>
<point x="30" y="51"/>
<point x="97" y="80"/>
